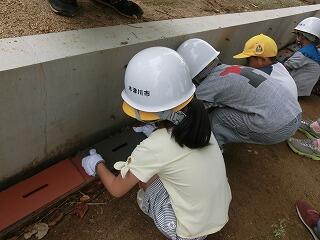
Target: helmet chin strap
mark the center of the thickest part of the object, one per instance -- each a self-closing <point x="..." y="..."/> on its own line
<point x="174" y="117"/>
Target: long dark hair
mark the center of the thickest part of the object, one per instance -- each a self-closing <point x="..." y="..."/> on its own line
<point x="194" y="131"/>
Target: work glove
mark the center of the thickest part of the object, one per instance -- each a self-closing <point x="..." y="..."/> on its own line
<point x="90" y="162"/>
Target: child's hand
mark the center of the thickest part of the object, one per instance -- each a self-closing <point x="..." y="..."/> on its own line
<point x="90" y="162"/>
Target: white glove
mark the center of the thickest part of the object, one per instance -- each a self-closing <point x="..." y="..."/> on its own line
<point x="90" y="162"/>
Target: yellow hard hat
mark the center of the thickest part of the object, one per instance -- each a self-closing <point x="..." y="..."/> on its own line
<point x="259" y="46"/>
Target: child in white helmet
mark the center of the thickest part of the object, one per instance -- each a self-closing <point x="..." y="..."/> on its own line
<point x="181" y="170"/>
<point x="303" y="65"/>
<point x="245" y="104"/>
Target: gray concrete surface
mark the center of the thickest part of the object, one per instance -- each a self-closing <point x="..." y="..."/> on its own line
<point x="59" y="91"/>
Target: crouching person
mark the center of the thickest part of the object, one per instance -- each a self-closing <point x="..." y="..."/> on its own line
<point x="261" y="52"/>
<point x="303" y="65"/>
<point x="179" y="167"/>
<point x="245" y="104"/>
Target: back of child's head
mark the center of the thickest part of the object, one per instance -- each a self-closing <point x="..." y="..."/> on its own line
<point x="194" y="131"/>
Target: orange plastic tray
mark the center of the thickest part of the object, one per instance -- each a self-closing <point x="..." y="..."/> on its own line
<point x="40" y="190"/>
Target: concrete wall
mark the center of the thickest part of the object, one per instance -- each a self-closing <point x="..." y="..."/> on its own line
<point x="60" y="91"/>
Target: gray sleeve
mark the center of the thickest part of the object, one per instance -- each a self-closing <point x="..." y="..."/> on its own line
<point x="205" y="92"/>
<point x="296" y="61"/>
<point x="212" y="91"/>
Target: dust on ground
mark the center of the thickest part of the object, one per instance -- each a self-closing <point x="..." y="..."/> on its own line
<point x="29" y="17"/>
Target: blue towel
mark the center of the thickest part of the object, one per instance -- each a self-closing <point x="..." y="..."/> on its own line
<point x="268" y="70"/>
<point x="311" y="51"/>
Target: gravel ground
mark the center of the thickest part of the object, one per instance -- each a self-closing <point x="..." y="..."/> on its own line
<point x="29" y="17"/>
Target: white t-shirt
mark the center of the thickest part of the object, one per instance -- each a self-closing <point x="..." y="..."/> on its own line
<point x="194" y="178"/>
<point x="281" y="74"/>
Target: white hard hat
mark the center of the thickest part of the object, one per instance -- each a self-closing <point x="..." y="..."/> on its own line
<point x="309" y="25"/>
<point x="156" y="79"/>
<point x="198" y="54"/>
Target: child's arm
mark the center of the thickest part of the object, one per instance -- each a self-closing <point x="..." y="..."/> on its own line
<point x="296" y="61"/>
<point x="116" y="185"/>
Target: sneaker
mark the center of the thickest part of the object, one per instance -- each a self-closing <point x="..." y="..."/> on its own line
<point x="308" y="130"/>
<point x="124" y="7"/>
<point x="309" y="217"/>
<point x="67" y="8"/>
<point x="306" y="147"/>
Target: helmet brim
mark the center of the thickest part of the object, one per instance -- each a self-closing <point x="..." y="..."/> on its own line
<point x="148" y="116"/>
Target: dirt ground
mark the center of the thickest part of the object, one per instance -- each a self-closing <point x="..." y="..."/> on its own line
<point x="28" y="17"/>
<point x="266" y="181"/>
